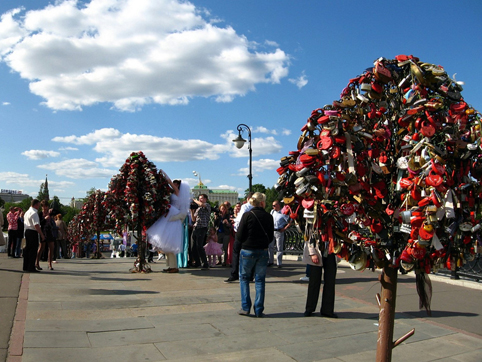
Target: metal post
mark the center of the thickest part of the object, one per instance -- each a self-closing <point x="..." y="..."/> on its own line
<point x="386" y="320"/>
<point x="239" y="141"/>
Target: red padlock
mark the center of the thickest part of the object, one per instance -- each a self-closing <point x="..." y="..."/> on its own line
<point x="433" y="179"/>
<point x="427" y="129"/>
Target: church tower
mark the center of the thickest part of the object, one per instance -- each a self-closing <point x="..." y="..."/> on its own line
<point x="46" y="189"/>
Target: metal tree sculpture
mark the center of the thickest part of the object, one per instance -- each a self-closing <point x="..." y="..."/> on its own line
<point x="389" y="176"/>
<point x="140" y="196"/>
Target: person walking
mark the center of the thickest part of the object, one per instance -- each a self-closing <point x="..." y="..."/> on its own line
<point x="213" y="248"/>
<point x="236" y="247"/>
<point x="255" y="233"/>
<point x="319" y="261"/>
<point x="200" y="218"/>
<point x="12" y="219"/>
<point x="47" y="225"/>
<point x="166" y="233"/>
<point x="20" y="233"/>
<point x="62" y="237"/>
<point x="32" y="233"/>
<point x="223" y="223"/>
<point x="281" y="223"/>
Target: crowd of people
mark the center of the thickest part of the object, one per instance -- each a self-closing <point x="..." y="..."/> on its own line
<point x="192" y="235"/>
<point x="244" y="238"/>
<point x="39" y="234"/>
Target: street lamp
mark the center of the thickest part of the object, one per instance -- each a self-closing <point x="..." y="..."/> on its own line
<point x="198" y="175"/>
<point x="239" y="142"/>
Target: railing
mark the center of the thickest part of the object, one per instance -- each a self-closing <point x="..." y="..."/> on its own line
<point x="294" y="242"/>
<point x="471" y="269"/>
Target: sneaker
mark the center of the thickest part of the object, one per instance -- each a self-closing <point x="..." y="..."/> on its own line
<point x="231" y="280"/>
<point x="305" y="279"/>
<point x="243" y="312"/>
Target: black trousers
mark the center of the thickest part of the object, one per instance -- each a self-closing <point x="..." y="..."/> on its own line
<point x="235" y="261"/>
<point x="12" y="242"/>
<point x="30" y="251"/>
<point x="328" y="298"/>
<point x="198" y="238"/>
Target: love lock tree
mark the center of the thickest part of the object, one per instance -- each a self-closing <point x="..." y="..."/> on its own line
<point x="97" y="211"/>
<point x="389" y="177"/>
<point x="77" y="229"/>
<point x="137" y="197"/>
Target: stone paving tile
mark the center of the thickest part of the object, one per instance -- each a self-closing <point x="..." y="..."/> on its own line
<point x="330" y="347"/>
<point x="54" y="339"/>
<point x="130" y="353"/>
<point x="89" y="325"/>
<point x="255" y="355"/>
<point x="173" y="333"/>
<point x="472" y="356"/>
<point x="219" y="345"/>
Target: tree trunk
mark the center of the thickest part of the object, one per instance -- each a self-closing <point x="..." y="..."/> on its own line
<point x="386" y="319"/>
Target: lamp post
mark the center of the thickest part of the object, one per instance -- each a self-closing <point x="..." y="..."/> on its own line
<point x="195" y="173"/>
<point x="239" y="142"/>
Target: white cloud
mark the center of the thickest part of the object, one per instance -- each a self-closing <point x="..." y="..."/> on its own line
<point x="40" y="154"/>
<point x="11" y="32"/>
<point x="260" y="166"/>
<point x="286" y="132"/>
<point x="24" y="180"/>
<point x="115" y="147"/>
<point x="262" y="129"/>
<point x="6" y="103"/>
<point x="90" y="138"/>
<point x="300" y="82"/>
<point x="131" y="53"/>
<point x="78" y="168"/>
<point x="68" y="149"/>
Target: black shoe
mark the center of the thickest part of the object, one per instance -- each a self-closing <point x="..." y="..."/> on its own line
<point x="307" y="314"/>
<point x="331" y="315"/>
<point x="34" y="271"/>
<point x="205" y="267"/>
<point x="243" y="312"/>
<point x="231" y="280"/>
<point x="270" y="264"/>
<point x="262" y="315"/>
<point x="38" y="268"/>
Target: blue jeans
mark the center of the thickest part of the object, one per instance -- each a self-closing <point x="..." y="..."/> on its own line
<point x="253" y="263"/>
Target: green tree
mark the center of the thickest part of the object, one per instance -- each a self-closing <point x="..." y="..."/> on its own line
<point x="68" y="213"/>
<point x="256" y="188"/>
<point x="41" y="193"/>
<point x="271" y="195"/>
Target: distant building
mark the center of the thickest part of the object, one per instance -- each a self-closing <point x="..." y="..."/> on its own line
<point x="219" y="195"/>
<point x="76" y="204"/>
<point x="13" y="195"/>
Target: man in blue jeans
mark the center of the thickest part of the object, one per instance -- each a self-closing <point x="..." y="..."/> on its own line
<point x="254" y="235"/>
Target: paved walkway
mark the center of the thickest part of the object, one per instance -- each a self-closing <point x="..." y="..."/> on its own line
<point x="96" y="310"/>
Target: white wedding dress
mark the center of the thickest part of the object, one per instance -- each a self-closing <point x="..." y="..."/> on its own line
<point x="166" y="234"/>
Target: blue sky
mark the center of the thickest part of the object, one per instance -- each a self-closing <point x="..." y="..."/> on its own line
<point x="84" y="83"/>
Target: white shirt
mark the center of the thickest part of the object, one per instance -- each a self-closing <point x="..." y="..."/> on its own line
<point x="31" y="219"/>
<point x="244" y="208"/>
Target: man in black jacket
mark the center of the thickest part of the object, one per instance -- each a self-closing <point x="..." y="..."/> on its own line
<point x="254" y="235"/>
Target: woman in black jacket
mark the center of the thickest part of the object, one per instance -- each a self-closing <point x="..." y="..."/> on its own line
<point x="254" y="234"/>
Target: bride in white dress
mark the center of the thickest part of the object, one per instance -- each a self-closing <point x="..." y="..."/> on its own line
<point x="166" y="233"/>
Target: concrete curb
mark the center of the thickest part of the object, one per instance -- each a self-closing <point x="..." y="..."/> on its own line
<point x="15" y="348"/>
